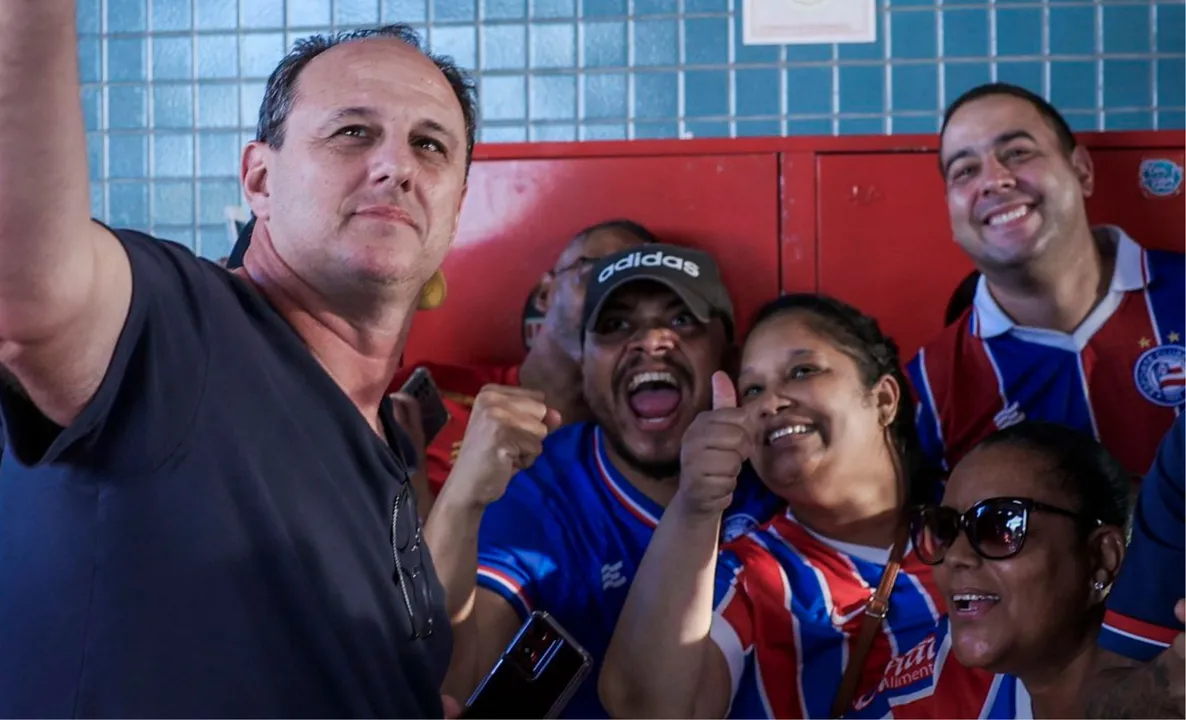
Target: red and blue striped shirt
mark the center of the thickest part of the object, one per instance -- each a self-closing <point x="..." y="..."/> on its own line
<point x="789" y="607"/>
<point x="1119" y="376"/>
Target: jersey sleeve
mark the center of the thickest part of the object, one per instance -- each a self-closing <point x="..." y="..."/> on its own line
<point x="732" y="624"/>
<point x="519" y="544"/>
<point x="1140" y="620"/>
<point x="153" y="383"/>
<point x="926" y="415"/>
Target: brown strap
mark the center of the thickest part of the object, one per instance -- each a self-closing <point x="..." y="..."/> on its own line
<point x="875" y="611"/>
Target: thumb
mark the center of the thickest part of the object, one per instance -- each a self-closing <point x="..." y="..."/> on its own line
<point x="724" y="395"/>
<point x="552" y="419"/>
<point x="1180" y="610"/>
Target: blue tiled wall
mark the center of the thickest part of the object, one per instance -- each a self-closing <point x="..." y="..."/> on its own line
<point x="171" y="87"/>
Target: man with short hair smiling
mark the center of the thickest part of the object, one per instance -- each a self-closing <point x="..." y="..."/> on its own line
<point x="569" y="532"/>
<point x="1069" y="324"/>
<point x="205" y="502"/>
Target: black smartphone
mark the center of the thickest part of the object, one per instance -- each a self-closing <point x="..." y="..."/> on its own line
<point x="536" y="675"/>
<point x="433" y="413"/>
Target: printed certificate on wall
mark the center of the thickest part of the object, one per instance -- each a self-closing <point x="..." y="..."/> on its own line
<point x="806" y="22"/>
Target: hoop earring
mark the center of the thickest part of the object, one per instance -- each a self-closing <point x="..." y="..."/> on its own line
<point x="433" y="294"/>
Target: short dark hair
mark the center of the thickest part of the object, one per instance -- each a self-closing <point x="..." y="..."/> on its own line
<point x="281" y="89"/>
<point x="876" y="355"/>
<point x="1081" y="465"/>
<point x="1066" y="137"/>
<point x="623" y="224"/>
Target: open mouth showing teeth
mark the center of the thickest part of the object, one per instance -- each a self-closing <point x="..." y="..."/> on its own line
<point x="654" y="396"/>
<point x="787" y="431"/>
<point x="974" y="602"/>
<point x="1002" y="218"/>
<point x="652" y="381"/>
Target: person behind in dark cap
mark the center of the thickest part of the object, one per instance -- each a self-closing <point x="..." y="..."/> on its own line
<point x="566" y="535"/>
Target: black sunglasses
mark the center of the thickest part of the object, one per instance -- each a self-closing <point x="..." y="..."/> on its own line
<point x="411" y="576"/>
<point x="996" y="528"/>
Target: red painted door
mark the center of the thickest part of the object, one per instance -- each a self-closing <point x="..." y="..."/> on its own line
<point x="519" y="214"/>
<point x="1123" y="198"/>
<point x="884" y="241"/>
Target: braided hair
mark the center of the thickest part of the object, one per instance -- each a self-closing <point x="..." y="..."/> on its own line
<point x="858" y="336"/>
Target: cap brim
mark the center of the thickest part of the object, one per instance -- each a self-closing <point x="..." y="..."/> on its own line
<point x="697" y="305"/>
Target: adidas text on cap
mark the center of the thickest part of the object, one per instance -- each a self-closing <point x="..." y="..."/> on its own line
<point x="691" y="274"/>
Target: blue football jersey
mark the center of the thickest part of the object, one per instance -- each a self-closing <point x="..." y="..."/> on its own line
<point x="569" y="534"/>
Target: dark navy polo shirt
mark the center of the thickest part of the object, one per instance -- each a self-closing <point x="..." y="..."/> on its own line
<point x="213" y="535"/>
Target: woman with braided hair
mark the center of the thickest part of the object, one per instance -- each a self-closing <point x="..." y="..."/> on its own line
<point x="802" y="615"/>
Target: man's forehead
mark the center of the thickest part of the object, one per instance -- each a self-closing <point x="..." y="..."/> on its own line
<point x="982" y="121"/>
<point x="373" y="71"/>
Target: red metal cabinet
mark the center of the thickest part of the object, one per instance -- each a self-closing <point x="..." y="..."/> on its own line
<point x="1156" y="221"/>
<point x="862" y="218"/>
<point x="885" y="242"/>
<point x="519" y="214"/>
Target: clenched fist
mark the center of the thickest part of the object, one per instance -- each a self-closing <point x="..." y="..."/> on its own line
<point x="505" y="434"/>
<point x="714" y="448"/>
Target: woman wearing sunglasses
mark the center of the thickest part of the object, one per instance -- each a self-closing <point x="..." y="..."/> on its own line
<point x="824" y="414"/>
<point x="1025" y="546"/>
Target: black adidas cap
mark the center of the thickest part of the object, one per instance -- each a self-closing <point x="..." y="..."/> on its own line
<point x="691" y="274"/>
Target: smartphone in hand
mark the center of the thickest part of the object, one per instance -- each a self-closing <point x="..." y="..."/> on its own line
<point x="536" y="675"/>
<point x="433" y="413"/>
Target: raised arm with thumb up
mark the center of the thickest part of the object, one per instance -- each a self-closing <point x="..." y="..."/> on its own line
<point x="714" y="448"/>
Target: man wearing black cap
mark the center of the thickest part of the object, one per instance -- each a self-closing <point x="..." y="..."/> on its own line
<point x="567" y="534"/>
<point x="552" y="366"/>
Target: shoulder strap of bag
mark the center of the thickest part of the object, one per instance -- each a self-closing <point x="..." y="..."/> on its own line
<point x="875" y="611"/>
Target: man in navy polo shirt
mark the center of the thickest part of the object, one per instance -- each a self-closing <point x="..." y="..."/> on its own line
<point x="204" y="506"/>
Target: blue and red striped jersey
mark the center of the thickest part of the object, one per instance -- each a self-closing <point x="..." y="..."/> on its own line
<point x="1119" y="376"/>
<point x="927" y="681"/>
<point x="568" y="537"/>
<point x="789" y="605"/>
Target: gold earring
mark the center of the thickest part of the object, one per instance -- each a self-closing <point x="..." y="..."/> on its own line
<point x="432" y="295"/>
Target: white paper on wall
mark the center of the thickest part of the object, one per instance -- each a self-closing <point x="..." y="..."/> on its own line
<point x="805" y="22"/>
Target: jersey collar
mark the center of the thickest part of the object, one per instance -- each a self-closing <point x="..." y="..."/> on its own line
<point x="646" y="510"/>
<point x="989" y="320"/>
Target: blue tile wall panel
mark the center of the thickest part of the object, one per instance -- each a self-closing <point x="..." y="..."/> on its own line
<point x="171" y="88"/>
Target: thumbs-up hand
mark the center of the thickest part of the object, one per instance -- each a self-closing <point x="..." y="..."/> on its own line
<point x="713" y="450"/>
